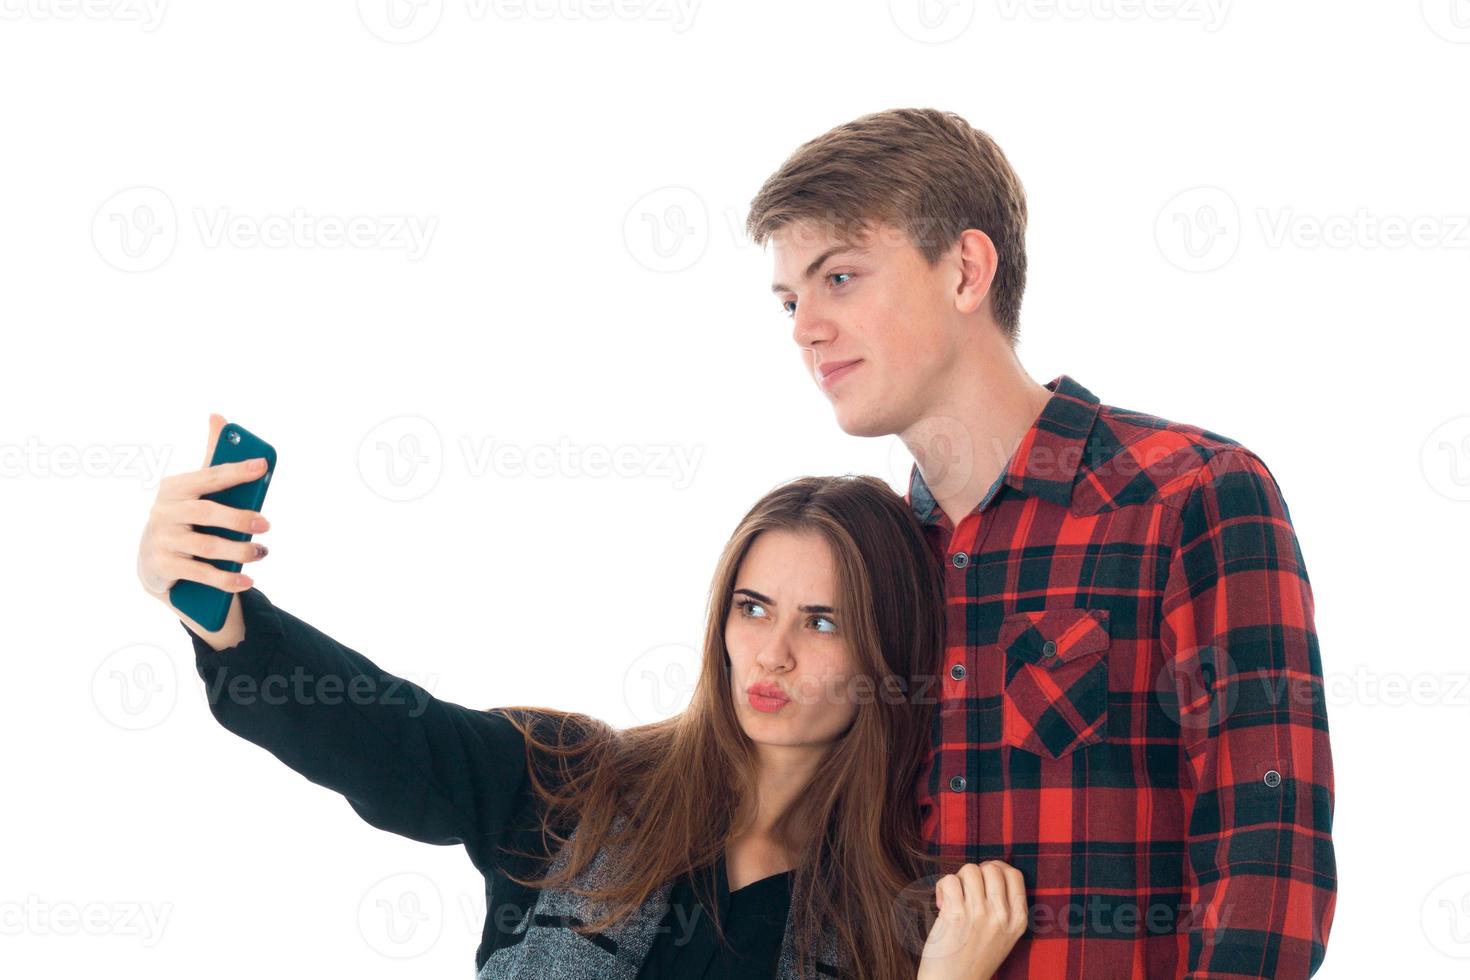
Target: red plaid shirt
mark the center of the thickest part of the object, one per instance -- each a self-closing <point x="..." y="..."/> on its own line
<point x="1131" y="706"/>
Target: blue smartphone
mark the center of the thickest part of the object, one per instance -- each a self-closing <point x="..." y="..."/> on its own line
<point x="202" y="603"/>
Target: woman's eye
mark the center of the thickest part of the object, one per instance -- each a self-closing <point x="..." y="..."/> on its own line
<point x="744" y="605"/>
<point x="829" y="622"/>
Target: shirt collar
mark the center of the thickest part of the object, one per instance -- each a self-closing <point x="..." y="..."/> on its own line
<point x="1046" y="460"/>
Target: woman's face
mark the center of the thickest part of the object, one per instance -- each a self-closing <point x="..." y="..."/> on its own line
<point x="784" y="633"/>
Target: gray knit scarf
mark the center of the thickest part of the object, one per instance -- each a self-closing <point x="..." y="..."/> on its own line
<point x="548" y="948"/>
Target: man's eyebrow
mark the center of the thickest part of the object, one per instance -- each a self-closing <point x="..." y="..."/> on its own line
<point x="771" y="602"/>
<point x="816" y="264"/>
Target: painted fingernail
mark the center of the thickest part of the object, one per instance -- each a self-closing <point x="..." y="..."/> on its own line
<point x="261" y="551"/>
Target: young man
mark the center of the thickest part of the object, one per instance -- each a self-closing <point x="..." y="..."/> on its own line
<point x="1131" y="709"/>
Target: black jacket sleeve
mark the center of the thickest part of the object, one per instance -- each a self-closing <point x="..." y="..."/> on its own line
<point x="407" y="762"/>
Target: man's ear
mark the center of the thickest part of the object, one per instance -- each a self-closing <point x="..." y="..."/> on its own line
<point x="978" y="261"/>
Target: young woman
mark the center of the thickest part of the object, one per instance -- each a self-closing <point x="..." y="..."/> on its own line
<point x="769" y="830"/>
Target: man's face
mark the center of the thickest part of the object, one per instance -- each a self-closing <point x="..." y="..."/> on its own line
<point x="877" y="303"/>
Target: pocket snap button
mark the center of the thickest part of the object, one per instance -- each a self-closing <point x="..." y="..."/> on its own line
<point x="1055" y="695"/>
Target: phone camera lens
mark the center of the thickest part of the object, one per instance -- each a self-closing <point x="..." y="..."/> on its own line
<point x="234" y="438"/>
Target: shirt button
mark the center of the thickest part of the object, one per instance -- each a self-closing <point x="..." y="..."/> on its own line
<point x="960" y="559"/>
<point x="1273" y="778"/>
<point x="957" y="783"/>
<point x="957" y="672"/>
<point x="1049" y="648"/>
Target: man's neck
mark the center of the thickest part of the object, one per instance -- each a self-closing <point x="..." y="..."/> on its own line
<point x="966" y="436"/>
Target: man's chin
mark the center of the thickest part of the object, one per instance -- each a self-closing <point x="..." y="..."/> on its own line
<point x="859" y="423"/>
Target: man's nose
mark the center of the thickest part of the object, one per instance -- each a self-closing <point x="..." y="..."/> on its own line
<point x="809" y="327"/>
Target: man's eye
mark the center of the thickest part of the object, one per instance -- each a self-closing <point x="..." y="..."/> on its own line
<point x="790" y="305"/>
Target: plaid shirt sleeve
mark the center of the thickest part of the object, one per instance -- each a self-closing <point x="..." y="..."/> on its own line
<point x="1239" y="641"/>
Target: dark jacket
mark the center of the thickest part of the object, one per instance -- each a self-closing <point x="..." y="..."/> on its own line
<point x="432" y="771"/>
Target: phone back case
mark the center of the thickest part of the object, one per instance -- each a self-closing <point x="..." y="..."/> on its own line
<point x="202" y="603"/>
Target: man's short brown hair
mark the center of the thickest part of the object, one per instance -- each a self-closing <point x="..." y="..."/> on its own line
<point x="925" y="171"/>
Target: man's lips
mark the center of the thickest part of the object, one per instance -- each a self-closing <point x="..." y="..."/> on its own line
<point x="830" y="374"/>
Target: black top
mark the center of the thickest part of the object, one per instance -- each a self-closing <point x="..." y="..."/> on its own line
<point x="754" y="918"/>
<point x="438" y="772"/>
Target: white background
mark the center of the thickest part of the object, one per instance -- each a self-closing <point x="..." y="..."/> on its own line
<point x="1246" y="216"/>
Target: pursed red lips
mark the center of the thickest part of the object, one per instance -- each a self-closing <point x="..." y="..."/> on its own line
<point x="767" y="697"/>
<point x="829" y="374"/>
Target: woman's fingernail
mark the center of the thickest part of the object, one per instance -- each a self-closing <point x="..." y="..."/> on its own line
<point x="260" y="524"/>
<point x="261" y="551"/>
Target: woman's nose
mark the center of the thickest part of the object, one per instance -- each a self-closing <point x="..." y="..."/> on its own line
<point x="775" y="655"/>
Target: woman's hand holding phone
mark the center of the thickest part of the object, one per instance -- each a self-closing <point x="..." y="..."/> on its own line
<point x="171" y="548"/>
<point x="982" y="912"/>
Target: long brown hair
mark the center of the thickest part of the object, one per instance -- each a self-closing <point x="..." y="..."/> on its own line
<point x="689" y="773"/>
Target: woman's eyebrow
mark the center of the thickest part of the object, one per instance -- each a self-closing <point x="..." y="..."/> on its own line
<point x="771" y="602"/>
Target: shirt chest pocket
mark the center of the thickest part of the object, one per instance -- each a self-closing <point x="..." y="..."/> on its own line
<point x="1056" y="680"/>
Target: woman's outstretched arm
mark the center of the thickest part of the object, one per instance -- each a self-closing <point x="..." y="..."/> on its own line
<point x="406" y="761"/>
